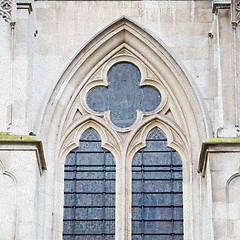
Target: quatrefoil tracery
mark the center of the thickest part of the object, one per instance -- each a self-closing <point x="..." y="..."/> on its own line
<point x="123" y="96"/>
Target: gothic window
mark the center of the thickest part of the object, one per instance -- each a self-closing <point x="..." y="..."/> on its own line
<point x="89" y="184"/>
<point x="157" y="211"/>
<point x="89" y="191"/>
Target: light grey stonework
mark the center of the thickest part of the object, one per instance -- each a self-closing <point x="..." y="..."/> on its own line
<point x="52" y="53"/>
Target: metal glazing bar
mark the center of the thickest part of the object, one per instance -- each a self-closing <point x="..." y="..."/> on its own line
<point x="89" y="171"/>
<point x="172" y="197"/>
<point x="142" y="196"/>
<point x="104" y="187"/>
<point x="87" y="234"/>
<point x="90" y="152"/>
<point x="88" y="141"/>
<point x="156" y="179"/>
<point x="167" y="192"/>
<point x="88" y="192"/>
<point x="159" y="170"/>
<point x="89" y="179"/>
<point x="156" y="165"/>
<point x="89" y="165"/>
<point x="88" y="220"/>
<point x="161" y="234"/>
<point x="160" y="206"/>
<point x="157" y="220"/>
<point x="95" y="206"/>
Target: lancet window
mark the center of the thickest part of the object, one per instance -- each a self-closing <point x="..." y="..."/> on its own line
<point x="89" y="190"/>
<point x="157" y="207"/>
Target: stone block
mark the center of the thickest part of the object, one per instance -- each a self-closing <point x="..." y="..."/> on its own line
<point x="183" y="15"/>
<point x="204" y="15"/>
<point x="219" y="210"/>
<point x="220" y="228"/>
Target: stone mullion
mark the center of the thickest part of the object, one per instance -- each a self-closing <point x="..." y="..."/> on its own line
<point x="120" y="212"/>
<point x="123" y="197"/>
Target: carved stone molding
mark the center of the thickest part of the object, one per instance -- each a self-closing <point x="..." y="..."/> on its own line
<point x="25" y="5"/>
<point x="6" y="10"/>
<point x="235" y="13"/>
<point x="220" y="4"/>
<point x="216" y="145"/>
<point x="24" y="143"/>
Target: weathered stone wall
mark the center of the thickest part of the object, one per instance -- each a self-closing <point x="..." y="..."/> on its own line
<point x="64" y="27"/>
<point x="21" y="165"/>
<point x="41" y="49"/>
<point x="221" y="171"/>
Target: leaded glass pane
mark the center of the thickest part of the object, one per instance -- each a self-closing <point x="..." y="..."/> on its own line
<point x="89" y="191"/>
<point x="157" y="211"/>
<point x="123" y="96"/>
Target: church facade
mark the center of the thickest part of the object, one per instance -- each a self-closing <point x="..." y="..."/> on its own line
<point x="119" y="120"/>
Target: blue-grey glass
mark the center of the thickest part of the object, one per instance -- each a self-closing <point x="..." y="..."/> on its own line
<point x="156" y="134"/>
<point x="89" y="199"/>
<point x="90" y="134"/>
<point x="89" y="186"/>
<point x="123" y="96"/>
<point x="157" y="190"/>
<point x="162" y="237"/>
<point x="177" y="199"/>
<point x="109" y="237"/>
<point x="70" y="159"/>
<point x="87" y="237"/>
<point x="178" y="213"/>
<point x="109" y="199"/>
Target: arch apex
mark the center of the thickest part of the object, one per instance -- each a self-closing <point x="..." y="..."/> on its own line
<point x="152" y="52"/>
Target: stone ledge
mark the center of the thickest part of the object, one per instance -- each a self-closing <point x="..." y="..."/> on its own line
<point x="25" y="5"/>
<point x="23" y="143"/>
<point x="220" y="4"/>
<point x="216" y="145"/>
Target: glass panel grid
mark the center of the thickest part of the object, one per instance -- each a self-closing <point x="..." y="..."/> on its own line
<point x="89" y="191"/>
<point x="157" y="210"/>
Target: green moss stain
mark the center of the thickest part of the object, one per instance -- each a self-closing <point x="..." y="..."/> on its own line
<point x="223" y="140"/>
<point x="5" y="136"/>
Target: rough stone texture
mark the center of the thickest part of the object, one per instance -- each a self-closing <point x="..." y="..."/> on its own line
<point x="222" y="174"/>
<point x="58" y="50"/>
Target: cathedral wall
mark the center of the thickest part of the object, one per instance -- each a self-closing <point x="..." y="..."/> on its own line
<point x="35" y="56"/>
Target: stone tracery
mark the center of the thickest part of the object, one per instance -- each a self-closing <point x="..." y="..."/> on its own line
<point x="235" y="13"/>
<point x="68" y="107"/>
<point x="6" y="10"/>
<point x="123" y="96"/>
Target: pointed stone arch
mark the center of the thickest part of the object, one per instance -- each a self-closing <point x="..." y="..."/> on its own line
<point x="66" y="115"/>
<point x="126" y="34"/>
<point x="175" y="137"/>
<point x="109" y="139"/>
<point x="176" y="140"/>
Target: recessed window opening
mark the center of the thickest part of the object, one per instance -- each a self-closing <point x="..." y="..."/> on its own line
<point x="157" y="203"/>
<point x="89" y="191"/>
